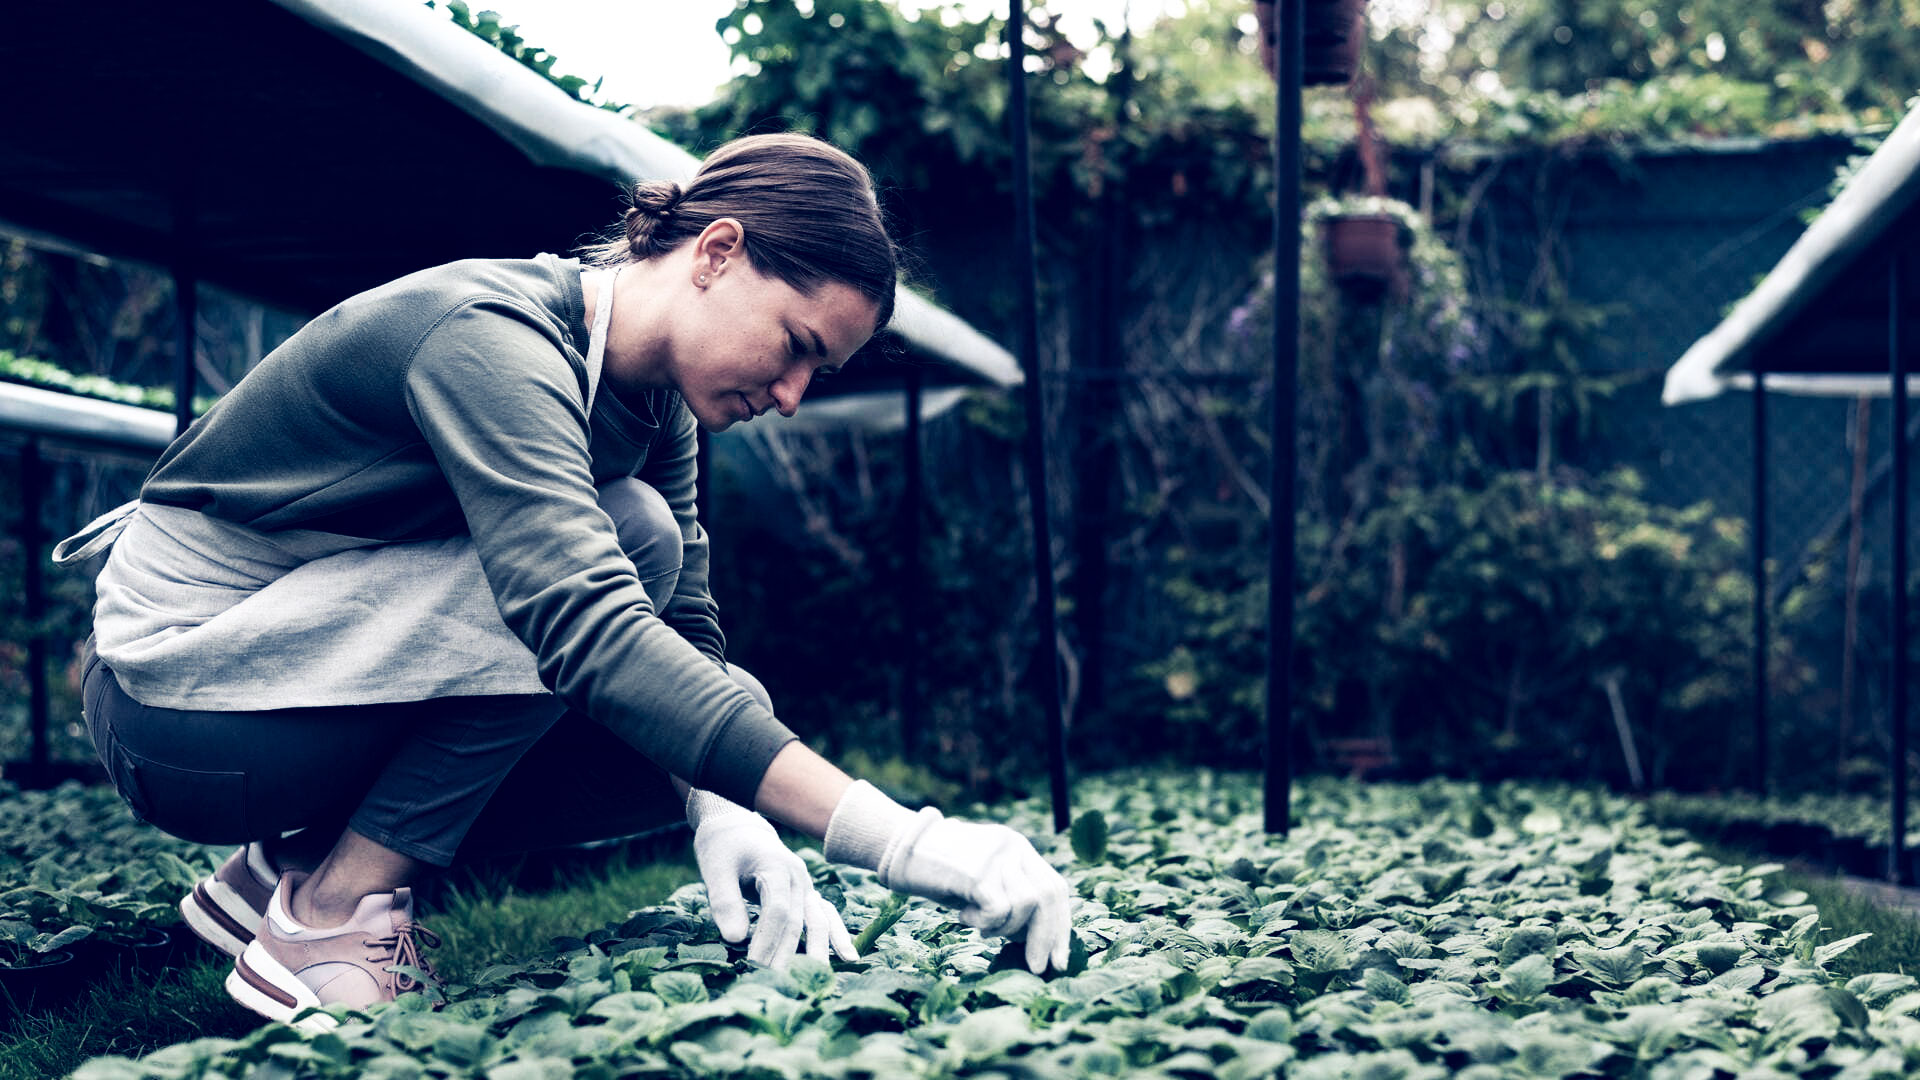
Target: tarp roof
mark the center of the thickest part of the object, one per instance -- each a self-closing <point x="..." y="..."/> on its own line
<point x="298" y="151"/>
<point x="1817" y="323"/>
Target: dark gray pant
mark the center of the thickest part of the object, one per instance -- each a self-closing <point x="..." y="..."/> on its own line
<point x="477" y="775"/>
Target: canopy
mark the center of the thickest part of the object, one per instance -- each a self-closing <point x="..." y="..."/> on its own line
<point x="1817" y="323"/>
<point x="299" y="151"/>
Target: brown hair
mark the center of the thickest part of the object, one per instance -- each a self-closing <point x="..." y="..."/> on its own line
<point x="807" y="209"/>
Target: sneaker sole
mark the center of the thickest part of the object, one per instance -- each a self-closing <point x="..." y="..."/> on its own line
<point x="214" y="912"/>
<point x="264" y="985"/>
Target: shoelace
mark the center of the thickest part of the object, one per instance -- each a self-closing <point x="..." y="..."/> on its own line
<point x="403" y="950"/>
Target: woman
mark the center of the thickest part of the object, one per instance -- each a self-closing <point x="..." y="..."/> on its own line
<point x="428" y="580"/>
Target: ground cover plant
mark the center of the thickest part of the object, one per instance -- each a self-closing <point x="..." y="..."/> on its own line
<point x="1845" y="833"/>
<point x="75" y="867"/>
<point x="1405" y="932"/>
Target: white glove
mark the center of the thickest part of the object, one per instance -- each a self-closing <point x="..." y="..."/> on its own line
<point x="733" y="844"/>
<point x="990" y="873"/>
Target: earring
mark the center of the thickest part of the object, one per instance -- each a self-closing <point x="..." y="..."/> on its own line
<point x="702" y="280"/>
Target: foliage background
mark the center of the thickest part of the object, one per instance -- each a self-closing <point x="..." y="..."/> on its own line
<point x="1498" y="520"/>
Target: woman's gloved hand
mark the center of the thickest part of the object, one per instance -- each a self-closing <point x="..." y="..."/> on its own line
<point x="990" y="873"/>
<point x="733" y="845"/>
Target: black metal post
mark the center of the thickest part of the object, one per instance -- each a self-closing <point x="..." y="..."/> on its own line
<point x="185" y="380"/>
<point x="1288" y="55"/>
<point x="34" y="595"/>
<point x="915" y="569"/>
<point x="1046" y="649"/>
<point x="1760" y="629"/>
<point x="186" y="306"/>
<point x="1897" y="666"/>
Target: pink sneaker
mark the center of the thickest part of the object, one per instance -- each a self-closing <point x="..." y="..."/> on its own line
<point x="226" y="908"/>
<point x="290" y="968"/>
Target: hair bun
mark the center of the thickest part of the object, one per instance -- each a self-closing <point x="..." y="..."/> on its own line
<point x="653" y="203"/>
<point x="657" y="198"/>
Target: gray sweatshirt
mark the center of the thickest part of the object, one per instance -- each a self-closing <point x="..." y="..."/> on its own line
<point x="451" y="402"/>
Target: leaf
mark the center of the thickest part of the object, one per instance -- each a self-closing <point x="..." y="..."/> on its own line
<point x="1878" y="987"/>
<point x="709" y="955"/>
<point x="1014" y="987"/>
<point x="1320" y="952"/>
<point x="1825" y="953"/>
<point x="1719" y="957"/>
<point x="1621" y="966"/>
<point x="680" y="988"/>
<point x="812" y="975"/>
<point x="1089" y="836"/>
<point x="890" y="912"/>
<point x="1379" y="984"/>
<point x="1542" y="822"/>
<point x="1524" y="980"/>
<point x="1273" y="1025"/>
<point x="1847" y="1007"/>
<point x="990" y="1032"/>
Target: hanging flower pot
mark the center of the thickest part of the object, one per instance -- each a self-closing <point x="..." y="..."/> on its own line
<point x="1366" y="245"/>
<point x="1333" y="33"/>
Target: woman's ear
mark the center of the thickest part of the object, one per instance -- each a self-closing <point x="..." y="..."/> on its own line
<point x="720" y="242"/>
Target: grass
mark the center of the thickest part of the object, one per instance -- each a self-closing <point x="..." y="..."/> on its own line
<point x="484" y="916"/>
<point x="1895" y="944"/>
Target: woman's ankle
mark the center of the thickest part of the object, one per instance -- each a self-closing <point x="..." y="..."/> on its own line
<point x="314" y="907"/>
<point x="302" y="850"/>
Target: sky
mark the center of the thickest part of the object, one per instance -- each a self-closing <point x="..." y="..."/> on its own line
<point x="665" y="52"/>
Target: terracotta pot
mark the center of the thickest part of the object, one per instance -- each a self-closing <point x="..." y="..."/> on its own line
<point x="1334" y="32"/>
<point x="1364" y="253"/>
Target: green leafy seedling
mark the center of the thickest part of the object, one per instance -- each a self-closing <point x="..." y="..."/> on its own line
<point x="890" y="912"/>
<point x="1090" y="837"/>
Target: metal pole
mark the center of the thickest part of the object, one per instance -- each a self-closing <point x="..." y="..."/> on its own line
<point x="186" y="311"/>
<point x="1760" y="630"/>
<point x="1046" y="650"/>
<point x="185" y="381"/>
<point x="34" y="595"/>
<point x="916" y="591"/>
<point x="1288" y="58"/>
<point x="1897" y="665"/>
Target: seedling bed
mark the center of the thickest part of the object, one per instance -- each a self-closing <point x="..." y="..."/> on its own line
<point x="1400" y="932"/>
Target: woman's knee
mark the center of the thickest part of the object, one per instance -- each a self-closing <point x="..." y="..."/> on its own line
<point x="649" y="534"/>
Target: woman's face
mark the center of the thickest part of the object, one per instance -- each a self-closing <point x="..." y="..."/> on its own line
<point x="747" y="342"/>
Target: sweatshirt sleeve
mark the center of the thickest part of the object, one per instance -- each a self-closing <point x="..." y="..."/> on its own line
<point x="499" y="404"/>
<point x="672" y="469"/>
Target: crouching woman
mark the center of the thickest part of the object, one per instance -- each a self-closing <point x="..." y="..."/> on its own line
<point x="428" y="581"/>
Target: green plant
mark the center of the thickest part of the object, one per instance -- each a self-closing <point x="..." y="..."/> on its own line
<point x="487" y="27"/>
<point x="29" y="371"/>
<point x="23" y="944"/>
<point x="1432" y="930"/>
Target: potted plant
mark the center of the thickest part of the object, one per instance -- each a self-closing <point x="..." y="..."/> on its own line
<point x="38" y="968"/>
<point x="1366" y="238"/>
<point x="1332" y="34"/>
